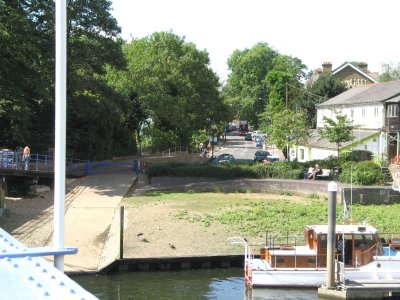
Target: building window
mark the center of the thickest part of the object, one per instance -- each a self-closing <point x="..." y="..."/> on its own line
<point x="392" y="110"/>
<point x="352" y="113"/>
<point x="376" y="111"/>
<point x="363" y="112"/>
<point x="301" y="154"/>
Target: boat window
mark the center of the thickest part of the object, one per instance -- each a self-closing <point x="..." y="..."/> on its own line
<point x="280" y="261"/>
<point x="364" y="240"/>
<point x="311" y="261"/>
<point x="322" y="241"/>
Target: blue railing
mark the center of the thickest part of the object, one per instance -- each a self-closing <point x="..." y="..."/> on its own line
<point x="40" y="163"/>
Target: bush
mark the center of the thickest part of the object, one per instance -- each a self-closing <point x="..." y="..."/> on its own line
<point x="362" y="173"/>
<point x="359" y="173"/>
<point x="227" y="171"/>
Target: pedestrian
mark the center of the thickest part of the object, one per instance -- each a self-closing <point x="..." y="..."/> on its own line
<point x="209" y="147"/>
<point x="308" y="174"/>
<point x="317" y="171"/>
<point x="26" y="156"/>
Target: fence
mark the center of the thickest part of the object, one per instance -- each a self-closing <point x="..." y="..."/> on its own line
<point x="41" y="163"/>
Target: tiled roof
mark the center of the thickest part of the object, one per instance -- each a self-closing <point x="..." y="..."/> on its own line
<point x="372" y="93"/>
<point x="317" y="141"/>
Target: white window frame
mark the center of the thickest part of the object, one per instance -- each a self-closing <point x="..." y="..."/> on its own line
<point x="392" y="110"/>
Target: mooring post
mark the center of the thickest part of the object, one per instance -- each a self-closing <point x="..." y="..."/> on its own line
<point x="330" y="258"/>
<point x="121" y="232"/>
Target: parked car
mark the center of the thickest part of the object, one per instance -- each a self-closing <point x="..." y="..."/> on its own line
<point x="270" y="159"/>
<point x="255" y="133"/>
<point x="261" y="155"/>
<point x="248" y="137"/>
<point x="7" y="158"/>
<point x="225" y="158"/>
<point x="259" y="142"/>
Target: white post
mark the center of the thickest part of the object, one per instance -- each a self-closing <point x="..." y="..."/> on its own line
<point x="330" y="258"/>
<point x="60" y="130"/>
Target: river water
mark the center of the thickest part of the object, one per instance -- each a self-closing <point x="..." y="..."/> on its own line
<point x="222" y="284"/>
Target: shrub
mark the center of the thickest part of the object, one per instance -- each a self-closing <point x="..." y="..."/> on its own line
<point x="362" y="173"/>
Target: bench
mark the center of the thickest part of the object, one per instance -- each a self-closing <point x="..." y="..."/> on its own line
<point x="326" y="174"/>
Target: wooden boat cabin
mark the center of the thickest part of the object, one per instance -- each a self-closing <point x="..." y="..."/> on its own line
<point x="355" y="245"/>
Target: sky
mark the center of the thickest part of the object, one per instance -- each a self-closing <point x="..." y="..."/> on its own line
<point x="314" y="31"/>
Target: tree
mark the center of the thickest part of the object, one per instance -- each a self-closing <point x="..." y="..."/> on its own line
<point x="391" y="71"/>
<point x="27" y="78"/>
<point x="338" y="131"/>
<point x="324" y="88"/>
<point x="288" y="128"/>
<point x="176" y="89"/>
<point x="26" y="65"/>
<point x="246" y="87"/>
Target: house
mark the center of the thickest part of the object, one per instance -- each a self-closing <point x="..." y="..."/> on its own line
<point x="374" y="108"/>
<point x="348" y="73"/>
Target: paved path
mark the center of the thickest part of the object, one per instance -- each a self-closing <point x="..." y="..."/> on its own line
<point x="90" y="215"/>
<point x="90" y="209"/>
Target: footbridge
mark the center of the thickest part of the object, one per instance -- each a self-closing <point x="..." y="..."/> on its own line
<point x="41" y="166"/>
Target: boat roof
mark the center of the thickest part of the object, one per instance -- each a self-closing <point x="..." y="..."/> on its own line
<point x="346" y="229"/>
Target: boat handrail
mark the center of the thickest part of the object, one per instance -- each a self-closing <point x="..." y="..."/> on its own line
<point x="236" y="240"/>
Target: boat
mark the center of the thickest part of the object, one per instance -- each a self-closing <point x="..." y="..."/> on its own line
<point x="364" y="258"/>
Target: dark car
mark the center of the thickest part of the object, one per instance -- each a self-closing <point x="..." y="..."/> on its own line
<point x="248" y="137"/>
<point x="259" y="142"/>
<point x="225" y="158"/>
<point x="261" y="155"/>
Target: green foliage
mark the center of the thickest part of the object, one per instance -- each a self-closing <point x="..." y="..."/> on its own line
<point x="246" y="88"/>
<point x="288" y="128"/>
<point x="338" y="131"/>
<point x="227" y="171"/>
<point x="362" y="173"/>
<point x="324" y="88"/>
<point x="391" y="71"/>
<point x="359" y="173"/>
<point x="96" y="125"/>
<point x="175" y="89"/>
<point x="252" y="215"/>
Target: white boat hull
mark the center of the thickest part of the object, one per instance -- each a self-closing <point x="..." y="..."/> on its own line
<point x="375" y="272"/>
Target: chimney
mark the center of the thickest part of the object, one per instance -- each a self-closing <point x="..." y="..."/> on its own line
<point x="326" y="68"/>
<point x="363" y="66"/>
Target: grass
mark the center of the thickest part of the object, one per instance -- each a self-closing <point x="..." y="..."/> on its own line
<point x="253" y="214"/>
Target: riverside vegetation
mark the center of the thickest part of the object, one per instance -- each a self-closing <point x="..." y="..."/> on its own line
<point x="251" y="215"/>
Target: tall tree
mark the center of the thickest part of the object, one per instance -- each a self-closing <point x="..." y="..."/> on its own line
<point x="391" y="71"/>
<point x="24" y="68"/>
<point x="27" y="77"/>
<point x="288" y="128"/>
<point x="324" y="88"/>
<point x="95" y="111"/>
<point x="246" y="86"/>
<point x="338" y="130"/>
<point x="175" y="87"/>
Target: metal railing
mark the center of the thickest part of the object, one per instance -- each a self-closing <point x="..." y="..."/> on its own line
<point x="40" y="163"/>
<point x="174" y="151"/>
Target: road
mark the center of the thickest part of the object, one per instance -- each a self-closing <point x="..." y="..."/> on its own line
<point x="241" y="149"/>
